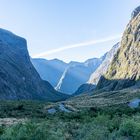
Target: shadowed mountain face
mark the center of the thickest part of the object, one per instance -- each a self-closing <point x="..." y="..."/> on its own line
<point x="49" y="70"/>
<point x="114" y="84"/>
<point x="84" y="88"/>
<point x="126" y="63"/>
<point x="18" y="78"/>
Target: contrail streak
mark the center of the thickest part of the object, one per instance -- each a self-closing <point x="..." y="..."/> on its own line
<point x="92" y="42"/>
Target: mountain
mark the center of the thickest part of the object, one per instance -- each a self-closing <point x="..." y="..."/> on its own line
<point x="120" y="86"/>
<point x="135" y="12"/>
<point x="50" y="70"/>
<point x="60" y="74"/>
<point x="124" y="70"/>
<point x="95" y="76"/>
<point x="18" y="77"/>
<point x="77" y="74"/>
<point x="84" y="88"/>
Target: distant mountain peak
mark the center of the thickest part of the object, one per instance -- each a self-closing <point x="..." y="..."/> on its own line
<point x="49" y="70"/>
<point x="76" y="74"/>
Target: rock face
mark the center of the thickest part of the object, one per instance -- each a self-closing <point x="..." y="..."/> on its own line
<point x="135" y="12"/>
<point x="77" y="74"/>
<point x="101" y="70"/>
<point x="18" y="77"/>
<point x="95" y="76"/>
<point x="50" y="70"/>
<point x="124" y="70"/>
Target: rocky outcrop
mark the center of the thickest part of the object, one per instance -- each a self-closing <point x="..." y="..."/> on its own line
<point x="124" y="70"/>
<point x="18" y="77"/>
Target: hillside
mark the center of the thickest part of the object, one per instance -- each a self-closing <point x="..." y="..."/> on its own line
<point x="49" y="70"/>
<point x="18" y="77"/>
<point x="124" y="69"/>
<point x="77" y="74"/>
<point x="121" y="83"/>
<point x="95" y="76"/>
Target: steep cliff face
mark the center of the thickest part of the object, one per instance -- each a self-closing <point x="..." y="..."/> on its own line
<point x="94" y="78"/>
<point x="18" y="78"/>
<point x="124" y="70"/>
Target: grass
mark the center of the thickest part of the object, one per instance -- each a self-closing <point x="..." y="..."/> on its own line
<point x="108" y="123"/>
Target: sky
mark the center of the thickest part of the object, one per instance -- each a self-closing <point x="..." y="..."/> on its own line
<point x="70" y="30"/>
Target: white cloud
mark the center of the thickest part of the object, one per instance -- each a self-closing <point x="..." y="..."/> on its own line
<point x="83" y="44"/>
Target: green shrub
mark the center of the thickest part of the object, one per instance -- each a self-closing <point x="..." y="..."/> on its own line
<point x="130" y="128"/>
<point x="109" y="123"/>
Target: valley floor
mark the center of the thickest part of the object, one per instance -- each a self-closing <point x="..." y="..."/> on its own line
<point x="30" y="120"/>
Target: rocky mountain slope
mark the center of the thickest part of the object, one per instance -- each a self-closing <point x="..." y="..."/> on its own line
<point x="77" y="74"/>
<point x="124" y="69"/>
<point x="49" y="70"/>
<point x="95" y="76"/>
<point x="18" y="77"/>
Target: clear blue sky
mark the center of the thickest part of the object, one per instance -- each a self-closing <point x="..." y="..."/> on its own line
<point x="52" y="24"/>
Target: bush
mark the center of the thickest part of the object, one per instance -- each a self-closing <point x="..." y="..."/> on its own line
<point x="32" y="131"/>
<point x="112" y="123"/>
<point x="130" y="128"/>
